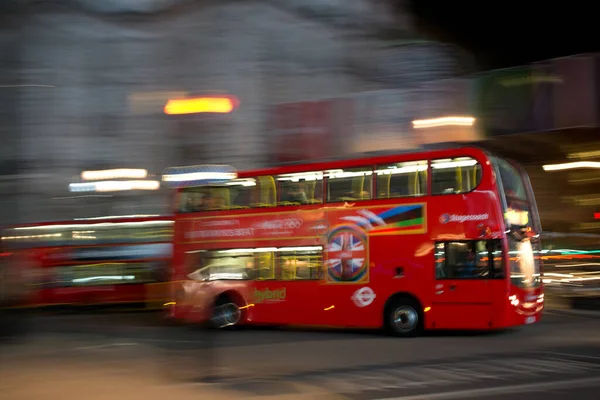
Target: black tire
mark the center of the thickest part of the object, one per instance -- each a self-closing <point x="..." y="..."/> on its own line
<point x="404" y="318"/>
<point x="223" y="313"/>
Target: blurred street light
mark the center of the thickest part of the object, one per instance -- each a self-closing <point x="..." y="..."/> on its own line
<point x="572" y="165"/>
<point x="121" y="173"/>
<point x="443" y="121"/>
<point x="217" y="105"/>
<point x="114" y="186"/>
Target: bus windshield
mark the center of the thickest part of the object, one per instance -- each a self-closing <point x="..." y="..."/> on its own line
<point x="518" y="209"/>
<point x="519" y="213"/>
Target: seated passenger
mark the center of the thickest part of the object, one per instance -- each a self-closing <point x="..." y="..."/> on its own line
<point x="364" y="195"/>
<point x="468" y="267"/>
<point x="213" y="203"/>
<point x="195" y="203"/>
<point x="219" y="202"/>
<point x="295" y="194"/>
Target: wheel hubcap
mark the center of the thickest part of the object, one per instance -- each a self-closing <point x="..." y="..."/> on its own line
<point x="405" y="319"/>
<point x="227" y="315"/>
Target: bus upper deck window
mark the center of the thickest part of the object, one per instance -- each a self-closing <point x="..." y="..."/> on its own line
<point x="455" y="175"/>
<point x="300" y="188"/>
<point x="349" y="185"/>
<point x="406" y="179"/>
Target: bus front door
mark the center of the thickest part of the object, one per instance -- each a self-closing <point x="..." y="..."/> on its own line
<point x="461" y="304"/>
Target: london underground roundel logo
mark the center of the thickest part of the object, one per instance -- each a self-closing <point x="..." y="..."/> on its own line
<point x="346" y="255"/>
<point x="363" y="297"/>
<point x="321" y="227"/>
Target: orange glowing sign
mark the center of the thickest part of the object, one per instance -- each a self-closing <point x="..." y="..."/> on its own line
<point x="218" y="105"/>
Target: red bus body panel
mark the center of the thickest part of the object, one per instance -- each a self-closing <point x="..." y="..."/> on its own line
<point x="40" y="264"/>
<point x="447" y="304"/>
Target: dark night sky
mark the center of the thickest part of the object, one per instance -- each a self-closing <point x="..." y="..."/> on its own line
<point x="509" y="33"/>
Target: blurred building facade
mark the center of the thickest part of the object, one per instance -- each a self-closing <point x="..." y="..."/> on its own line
<point x="89" y="82"/>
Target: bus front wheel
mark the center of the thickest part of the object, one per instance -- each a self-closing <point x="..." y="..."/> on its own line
<point x="404" y="318"/>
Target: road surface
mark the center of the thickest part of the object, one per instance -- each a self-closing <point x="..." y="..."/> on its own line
<point x="132" y="356"/>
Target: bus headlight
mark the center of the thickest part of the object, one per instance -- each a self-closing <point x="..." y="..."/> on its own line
<point x="526" y="261"/>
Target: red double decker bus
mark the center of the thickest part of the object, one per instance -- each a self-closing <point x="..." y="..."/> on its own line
<point x="439" y="239"/>
<point x="92" y="262"/>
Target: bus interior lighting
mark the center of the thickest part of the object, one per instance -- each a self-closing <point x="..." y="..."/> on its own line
<point x="401" y="170"/>
<point x="271" y="249"/>
<point x="117" y="217"/>
<point x="453" y="164"/>
<point x="307" y="176"/>
<point x="101" y="278"/>
<point x="242" y="182"/>
<point x="336" y="174"/>
<point x="226" y="275"/>
<point x="259" y="250"/>
<point x="48" y="235"/>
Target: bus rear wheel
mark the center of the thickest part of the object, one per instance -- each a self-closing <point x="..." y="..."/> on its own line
<point x="226" y="313"/>
<point x="403" y="318"/>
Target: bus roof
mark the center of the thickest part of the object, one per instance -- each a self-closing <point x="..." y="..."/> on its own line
<point x="377" y="157"/>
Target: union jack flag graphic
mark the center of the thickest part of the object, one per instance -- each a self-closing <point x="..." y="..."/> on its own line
<point x="346" y="256"/>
